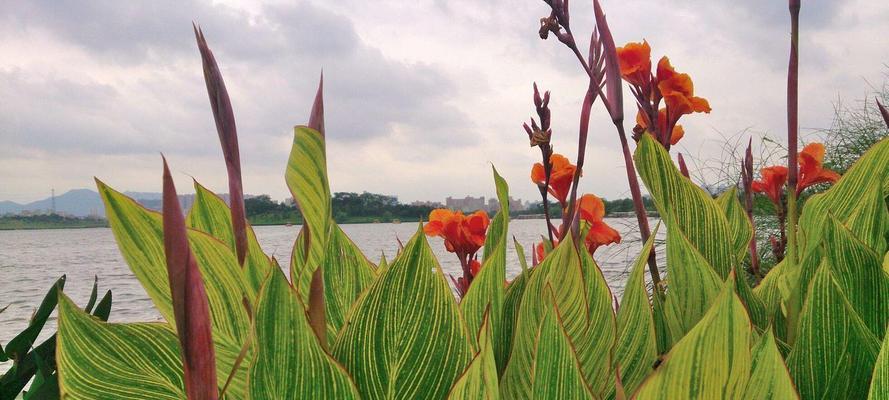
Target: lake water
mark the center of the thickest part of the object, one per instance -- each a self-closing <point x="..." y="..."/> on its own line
<point x="31" y="260"/>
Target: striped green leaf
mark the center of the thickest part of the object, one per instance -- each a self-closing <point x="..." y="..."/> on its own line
<point x="557" y="373"/>
<point x="857" y="200"/>
<point x="480" y="379"/>
<point x="768" y="290"/>
<point x="756" y="308"/>
<point x="664" y="323"/>
<point x="585" y="305"/>
<point x="139" y="235"/>
<point x="346" y="274"/>
<point x="739" y="225"/>
<point x="98" y="360"/>
<point x="512" y="301"/>
<point x="712" y="361"/>
<point x="769" y="378"/>
<point x="211" y="215"/>
<point x="692" y="283"/>
<point x="486" y="291"/>
<point x="290" y="363"/>
<point x="405" y="337"/>
<point x="306" y="176"/>
<point x="595" y="346"/>
<point x="879" y="384"/>
<point x="635" y="350"/>
<point x="685" y="207"/>
<point x="834" y="346"/>
<point x="858" y="271"/>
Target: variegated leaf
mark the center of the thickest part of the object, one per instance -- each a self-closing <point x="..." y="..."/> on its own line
<point x="405" y="337"/>
<point x="712" y="361"/>
<point x="486" y="291"/>
<point x="290" y="363"/>
<point x="98" y="360"/>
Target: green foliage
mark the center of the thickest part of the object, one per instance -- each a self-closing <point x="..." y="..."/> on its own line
<point x="290" y="363"/>
<point x="39" y="362"/>
<point x="486" y="293"/>
<point x="812" y="330"/>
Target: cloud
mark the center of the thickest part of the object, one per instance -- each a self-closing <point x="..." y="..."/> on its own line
<point x="421" y="97"/>
<point x="124" y="78"/>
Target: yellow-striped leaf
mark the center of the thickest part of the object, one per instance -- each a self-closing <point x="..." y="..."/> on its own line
<point x="211" y="215"/>
<point x="595" y="346"/>
<point x="98" y="360"/>
<point x="346" y="274"/>
<point x="290" y="363"/>
<point x="833" y="347"/>
<point x="306" y="176"/>
<point x="769" y="378"/>
<point x="557" y="373"/>
<point x="858" y="272"/>
<point x="480" y="379"/>
<point x="857" y="200"/>
<point x="768" y="290"/>
<point x="585" y="307"/>
<point x="739" y="225"/>
<point x="405" y="337"/>
<point x="685" y="207"/>
<point x="712" y="361"/>
<point x="512" y="300"/>
<point x="692" y="283"/>
<point x="756" y="309"/>
<point x="139" y="235"/>
<point x="486" y="291"/>
<point x="635" y="350"/>
<point x="879" y="384"/>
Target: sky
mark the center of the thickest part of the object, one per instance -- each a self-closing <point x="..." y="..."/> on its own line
<point x="421" y="97"/>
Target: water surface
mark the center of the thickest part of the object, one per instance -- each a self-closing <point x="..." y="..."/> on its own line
<point x="31" y="260"/>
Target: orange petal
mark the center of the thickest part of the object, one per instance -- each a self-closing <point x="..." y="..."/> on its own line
<point x="814" y="150"/>
<point x="602" y="234"/>
<point x="559" y="161"/>
<point x="640" y="119"/>
<point x="664" y="69"/>
<point x="538" y="174"/>
<point x="635" y="62"/>
<point x="474" y="267"/>
<point x="677" y="134"/>
<point x="700" y="104"/>
<point x="591" y="208"/>
<point x="432" y="228"/>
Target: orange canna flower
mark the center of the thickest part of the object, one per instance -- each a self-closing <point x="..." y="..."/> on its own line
<point x="592" y="210"/>
<point x="540" y="254"/>
<point x="560" y="179"/>
<point x="811" y="171"/>
<point x="677" y="133"/>
<point x="772" y="183"/>
<point x="635" y="62"/>
<point x="463" y="234"/>
<point x="475" y="267"/>
<point x="678" y="91"/>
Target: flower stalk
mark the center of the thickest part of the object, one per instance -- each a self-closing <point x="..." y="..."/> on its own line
<point x="793" y="129"/>
<point x="747" y="184"/>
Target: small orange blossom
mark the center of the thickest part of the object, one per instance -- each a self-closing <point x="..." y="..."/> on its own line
<point x="560" y="179"/>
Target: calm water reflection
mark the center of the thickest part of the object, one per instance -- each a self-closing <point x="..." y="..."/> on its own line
<point x="30" y="261"/>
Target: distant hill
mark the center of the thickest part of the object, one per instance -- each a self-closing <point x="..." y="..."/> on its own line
<point x="79" y="202"/>
<point x="86" y="202"/>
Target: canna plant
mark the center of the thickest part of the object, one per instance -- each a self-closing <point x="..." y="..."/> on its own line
<point x="341" y="326"/>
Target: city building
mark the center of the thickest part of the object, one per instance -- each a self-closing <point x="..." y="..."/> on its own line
<point x="433" y="204"/>
<point x="514" y="205"/>
<point x="466" y="204"/>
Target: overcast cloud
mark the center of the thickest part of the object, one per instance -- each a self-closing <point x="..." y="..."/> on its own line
<point x="421" y="96"/>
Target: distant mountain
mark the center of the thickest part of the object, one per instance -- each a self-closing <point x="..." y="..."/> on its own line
<point x="79" y="202"/>
<point x="86" y="202"/>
